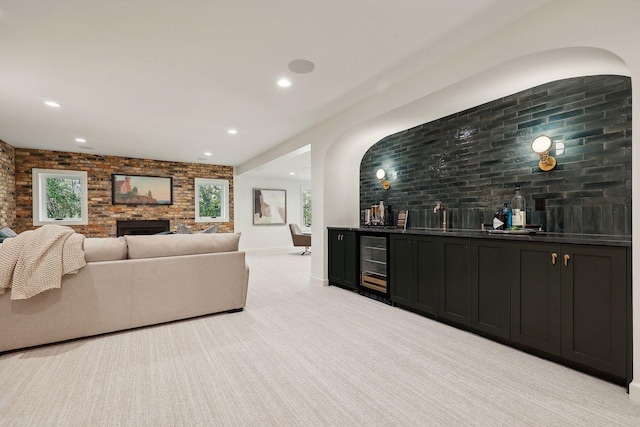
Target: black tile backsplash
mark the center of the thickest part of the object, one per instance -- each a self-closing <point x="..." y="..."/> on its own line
<point x="472" y="160"/>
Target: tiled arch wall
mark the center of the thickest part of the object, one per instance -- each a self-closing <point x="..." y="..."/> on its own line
<point x="472" y="160"/>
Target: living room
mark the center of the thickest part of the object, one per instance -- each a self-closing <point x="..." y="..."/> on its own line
<point x="104" y="212"/>
<point x="472" y="61"/>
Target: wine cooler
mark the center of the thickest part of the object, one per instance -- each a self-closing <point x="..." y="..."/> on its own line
<point x="373" y="264"/>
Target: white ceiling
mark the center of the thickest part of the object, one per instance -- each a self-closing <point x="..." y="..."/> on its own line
<point x="166" y="79"/>
<point x="296" y="165"/>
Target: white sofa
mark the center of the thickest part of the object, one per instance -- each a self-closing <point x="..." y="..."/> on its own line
<point x="129" y="282"/>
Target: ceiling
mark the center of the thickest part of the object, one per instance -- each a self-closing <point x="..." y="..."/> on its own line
<point x="166" y="79"/>
<point x="296" y="166"/>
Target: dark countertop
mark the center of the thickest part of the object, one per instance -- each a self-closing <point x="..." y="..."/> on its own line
<point x="534" y="236"/>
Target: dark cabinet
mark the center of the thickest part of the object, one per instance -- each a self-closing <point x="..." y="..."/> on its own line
<point x="490" y="287"/>
<point x="427" y="276"/>
<point x="571" y="301"/>
<point x="343" y="259"/>
<point x="535" y="296"/>
<point x="414" y="272"/>
<point x="568" y="302"/>
<point x="594" y="307"/>
<point x="454" y="280"/>
<point x="402" y="270"/>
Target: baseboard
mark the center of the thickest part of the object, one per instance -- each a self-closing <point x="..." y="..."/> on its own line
<point x="634" y="391"/>
<point x="318" y="281"/>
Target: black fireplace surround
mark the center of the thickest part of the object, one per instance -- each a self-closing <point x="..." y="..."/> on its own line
<point x="150" y="226"/>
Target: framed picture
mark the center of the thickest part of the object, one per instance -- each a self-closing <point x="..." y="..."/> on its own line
<point x="269" y="206"/>
<point x="141" y="190"/>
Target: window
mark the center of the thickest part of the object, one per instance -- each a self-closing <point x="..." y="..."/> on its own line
<point x="306" y="207"/>
<point x="60" y="197"/>
<point x="212" y="200"/>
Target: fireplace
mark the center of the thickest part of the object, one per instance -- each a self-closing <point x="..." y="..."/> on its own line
<point x="150" y="226"/>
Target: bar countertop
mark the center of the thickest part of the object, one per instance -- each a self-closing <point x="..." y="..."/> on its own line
<point x="530" y="236"/>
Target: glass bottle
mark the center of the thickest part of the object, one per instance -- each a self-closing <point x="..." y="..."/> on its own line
<point x="518" y="210"/>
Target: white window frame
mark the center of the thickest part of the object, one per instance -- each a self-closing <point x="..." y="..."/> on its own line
<point x="39" y="196"/>
<point x="224" y="196"/>
<point x="304" y="188"/>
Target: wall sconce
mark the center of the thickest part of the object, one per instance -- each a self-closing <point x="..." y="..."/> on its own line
<point x="380" y="174"/>
<point x="541" y="145"/>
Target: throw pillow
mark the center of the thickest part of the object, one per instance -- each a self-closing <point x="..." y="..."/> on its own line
<point x="212" y="229"/>
<point x="183" y="229"/>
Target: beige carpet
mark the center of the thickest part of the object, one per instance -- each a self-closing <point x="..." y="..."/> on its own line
<point x="300" y="355"/>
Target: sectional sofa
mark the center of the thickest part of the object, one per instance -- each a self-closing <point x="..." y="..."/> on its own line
<point x="129" y="282"/>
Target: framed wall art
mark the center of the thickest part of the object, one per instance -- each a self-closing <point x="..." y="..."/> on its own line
<point x="141" y="190"/>
<point x="269" y="206"/>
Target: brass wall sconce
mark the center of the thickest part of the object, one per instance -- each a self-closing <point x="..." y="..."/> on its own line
<point x="541" y="145"/>
<point x="380" y="174"/>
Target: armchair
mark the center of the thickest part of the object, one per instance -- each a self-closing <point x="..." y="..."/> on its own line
<point x="299" y="238"/>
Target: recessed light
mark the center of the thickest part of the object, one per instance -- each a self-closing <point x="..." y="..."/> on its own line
<point x="207" y="153"/>
<point x="284" y="82"/>
<point x="292" y="173"/>
<point x="232" y="131"/>
<point x="52" y="104"/>
<point x="81" y="140"/>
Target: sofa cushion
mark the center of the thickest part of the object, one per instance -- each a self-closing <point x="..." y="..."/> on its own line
<point x="105" y="249"/>
<point x="181" y="244"/>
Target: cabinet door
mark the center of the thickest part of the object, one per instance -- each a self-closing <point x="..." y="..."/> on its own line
<point x="336" y="257"/>
<point x="343" y="270"/>
<point x="594" y="307"/>
<point x="402" y="268"/>
<point x="453" y="286"/>
<point x="490" y="287"/>
<point x="535" y="296"/>
<point x="426" y="260"/>
<point x="350" y="247"/>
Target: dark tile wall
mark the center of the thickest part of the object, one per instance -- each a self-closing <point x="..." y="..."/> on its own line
<point x="472" y="160"/>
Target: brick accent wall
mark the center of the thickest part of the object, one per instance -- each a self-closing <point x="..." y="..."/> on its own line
<point x="472" y="160"/>
<point x="7" y="186"/>
<point x="102" y="213"/>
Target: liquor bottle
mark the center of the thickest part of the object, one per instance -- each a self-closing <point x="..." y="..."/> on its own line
<point x="518" y="210"/>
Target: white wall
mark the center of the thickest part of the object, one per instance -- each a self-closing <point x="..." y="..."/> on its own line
<point x="265" y="236"/>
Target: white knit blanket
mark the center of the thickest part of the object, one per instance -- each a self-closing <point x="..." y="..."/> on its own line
<point x="35" y="261"/>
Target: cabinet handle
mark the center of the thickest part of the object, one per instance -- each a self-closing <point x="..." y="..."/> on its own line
<point x="566" y="259"/>
<point x="554" y="256"/>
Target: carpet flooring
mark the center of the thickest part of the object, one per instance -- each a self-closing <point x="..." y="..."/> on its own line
<point x="300" y="355"/>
